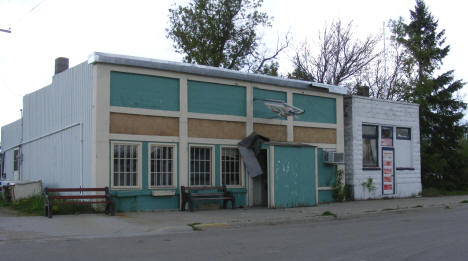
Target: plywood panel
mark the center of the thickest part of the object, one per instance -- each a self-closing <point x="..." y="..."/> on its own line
<point x="273" y="132"/>
<point x="216" y="129"/>
<point x="314" y="135"/>
<point x="143" y="125"/>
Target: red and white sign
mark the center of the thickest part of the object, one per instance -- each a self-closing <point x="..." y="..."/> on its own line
<point x="388" y="173"/>
<point x="386" y="142"/>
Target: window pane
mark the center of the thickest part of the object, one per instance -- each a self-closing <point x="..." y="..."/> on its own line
<point x="200" y="166"/>
<point x="369" y="152"/>
<point x="403" y="133"/>
<point x="230" y="166"/>
<point x="369" y="130"/>
<point x="162" y="165"/>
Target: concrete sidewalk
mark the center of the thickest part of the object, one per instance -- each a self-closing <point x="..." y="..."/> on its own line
<point x="164" y="222"/>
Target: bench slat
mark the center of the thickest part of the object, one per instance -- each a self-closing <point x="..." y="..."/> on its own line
<point x="206" y="194"/>
<point x="203" y="188"/>
<point x="81" y="202"/>
<point x="77" y="197"/>
<point x="74" y="189"/>
<point x="211" y="198"/>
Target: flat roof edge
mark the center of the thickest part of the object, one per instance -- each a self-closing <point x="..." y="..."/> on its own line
<point x="99" y="57"/>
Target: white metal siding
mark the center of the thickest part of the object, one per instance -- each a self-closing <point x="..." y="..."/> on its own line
<point x="54" y="119"/>
<point x="11" y="138"/>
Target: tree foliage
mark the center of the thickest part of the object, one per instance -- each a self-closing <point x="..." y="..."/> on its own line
<point x="339" y="59"/>
<point x="440" y="110"/>
<point x="223" y="33"/>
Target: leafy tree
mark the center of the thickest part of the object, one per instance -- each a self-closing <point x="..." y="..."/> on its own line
<point x="223" y="33"/>
<point x="440" y="111"/>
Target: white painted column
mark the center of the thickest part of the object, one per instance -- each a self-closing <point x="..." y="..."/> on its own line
<point x="248" y="130"/>
<point x="340" y="132"/>
<point x="290" y="128"/>
<point x="183" y="133"/>
<point x="100" y="121"/>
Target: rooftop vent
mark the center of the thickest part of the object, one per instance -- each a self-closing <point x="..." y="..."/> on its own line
<point x="61" y="64"/>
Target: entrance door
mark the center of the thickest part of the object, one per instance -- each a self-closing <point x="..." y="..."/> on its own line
<point x="388" y="171"/>
<point x="260" y="182"/>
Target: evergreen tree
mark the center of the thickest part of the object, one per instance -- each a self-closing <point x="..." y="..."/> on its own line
<point x="440" y="110"/>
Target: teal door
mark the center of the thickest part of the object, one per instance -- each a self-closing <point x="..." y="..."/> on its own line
<point x="294" y="176"/>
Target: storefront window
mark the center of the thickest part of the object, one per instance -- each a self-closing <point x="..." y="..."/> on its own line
<point x="369" y="146"/>
<point x="387" y="137"/>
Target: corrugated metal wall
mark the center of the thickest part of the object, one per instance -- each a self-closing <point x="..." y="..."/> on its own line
<point x="55" y="118"/>
<point x="11" y="138"/>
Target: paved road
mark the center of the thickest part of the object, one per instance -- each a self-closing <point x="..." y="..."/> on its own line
<point x="425" y="234"/>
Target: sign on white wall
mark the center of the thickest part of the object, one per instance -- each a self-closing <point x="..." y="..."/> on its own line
<point x="388" y="171"/>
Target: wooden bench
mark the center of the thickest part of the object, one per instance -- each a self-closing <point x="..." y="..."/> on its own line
<point x="50" y="200"/>
<point x="191" y="194"/>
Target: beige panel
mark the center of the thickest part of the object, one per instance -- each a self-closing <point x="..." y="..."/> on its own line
<point x="273" y="132"/>
<point x="314" y="135"/>
<point x="216" y="129"/>
<point x="143" y="125"/>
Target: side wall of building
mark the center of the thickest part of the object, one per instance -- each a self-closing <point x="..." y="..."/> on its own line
<point x="407" y="165"/>
<point x="57" y="130"/>
<point x="11" y="138"/>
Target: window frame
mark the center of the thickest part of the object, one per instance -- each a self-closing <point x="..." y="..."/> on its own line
<point x="399" y="138"/>
<point x="174" y="164"/>
<point x="212" y="165"/>
<point x="377" y="141"/>
<point x="139" y="165"/>
<point x="16" y="159"/>
<point x="241" y="166"/>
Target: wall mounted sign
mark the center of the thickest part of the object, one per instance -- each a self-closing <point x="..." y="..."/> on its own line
<point x="388" y="171"/>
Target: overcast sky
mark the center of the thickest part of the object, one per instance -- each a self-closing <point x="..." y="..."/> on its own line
<point x="44" y="30"/>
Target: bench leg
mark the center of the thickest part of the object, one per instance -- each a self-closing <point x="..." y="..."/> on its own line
<point x="112" y="209"/>
<point x="49" y="211"/>
<point x="182" y="206"/>
<point x="233" y="203"/>
<point x="190" y="205"/>
<point x="225" y="201"/>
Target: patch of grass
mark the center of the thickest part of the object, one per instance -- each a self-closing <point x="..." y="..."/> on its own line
<point x="34" y="206"/>
<point x="388" y="209"/>
<point x="464" y="201"/>
<point x="448" y="207"/>
<point x="194" y="226"/>
<point x="417" y="206"/>
<point x="436" y="192"/>
<point x="329" y="213"/>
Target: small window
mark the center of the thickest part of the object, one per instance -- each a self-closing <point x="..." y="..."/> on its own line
<point x="387" y="136"/>
<point x="200" y="166"/>
<point x="162" y="165"/>
<point x="230" y="167"/>
<point x="16" y="160"/>
<point x="403" y="133"/>
<point x="125" y="165"/>
<point x="369" y="146"/>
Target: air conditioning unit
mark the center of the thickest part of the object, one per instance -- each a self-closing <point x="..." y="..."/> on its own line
<point x="333" y="157"/>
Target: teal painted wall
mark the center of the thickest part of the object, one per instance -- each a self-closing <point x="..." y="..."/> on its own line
<point x="213" y="98"/>
<point x="326" y="172"/>
<point x="317" y="109"/>
<point x="144" y="91"/>
<point x="260" y="110"/>
<point x="326" y="196"/>
<point x="294" y="176"/>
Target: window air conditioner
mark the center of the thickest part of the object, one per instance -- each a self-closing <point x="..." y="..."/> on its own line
<point x="333" y="157"/>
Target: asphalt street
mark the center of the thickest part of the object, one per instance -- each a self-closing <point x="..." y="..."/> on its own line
<point x="424" y="234"/>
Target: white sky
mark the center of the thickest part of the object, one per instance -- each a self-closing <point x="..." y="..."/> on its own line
<point x="77" y="28"/>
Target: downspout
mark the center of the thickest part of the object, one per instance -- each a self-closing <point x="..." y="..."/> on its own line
<point x="20" y="153"/>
